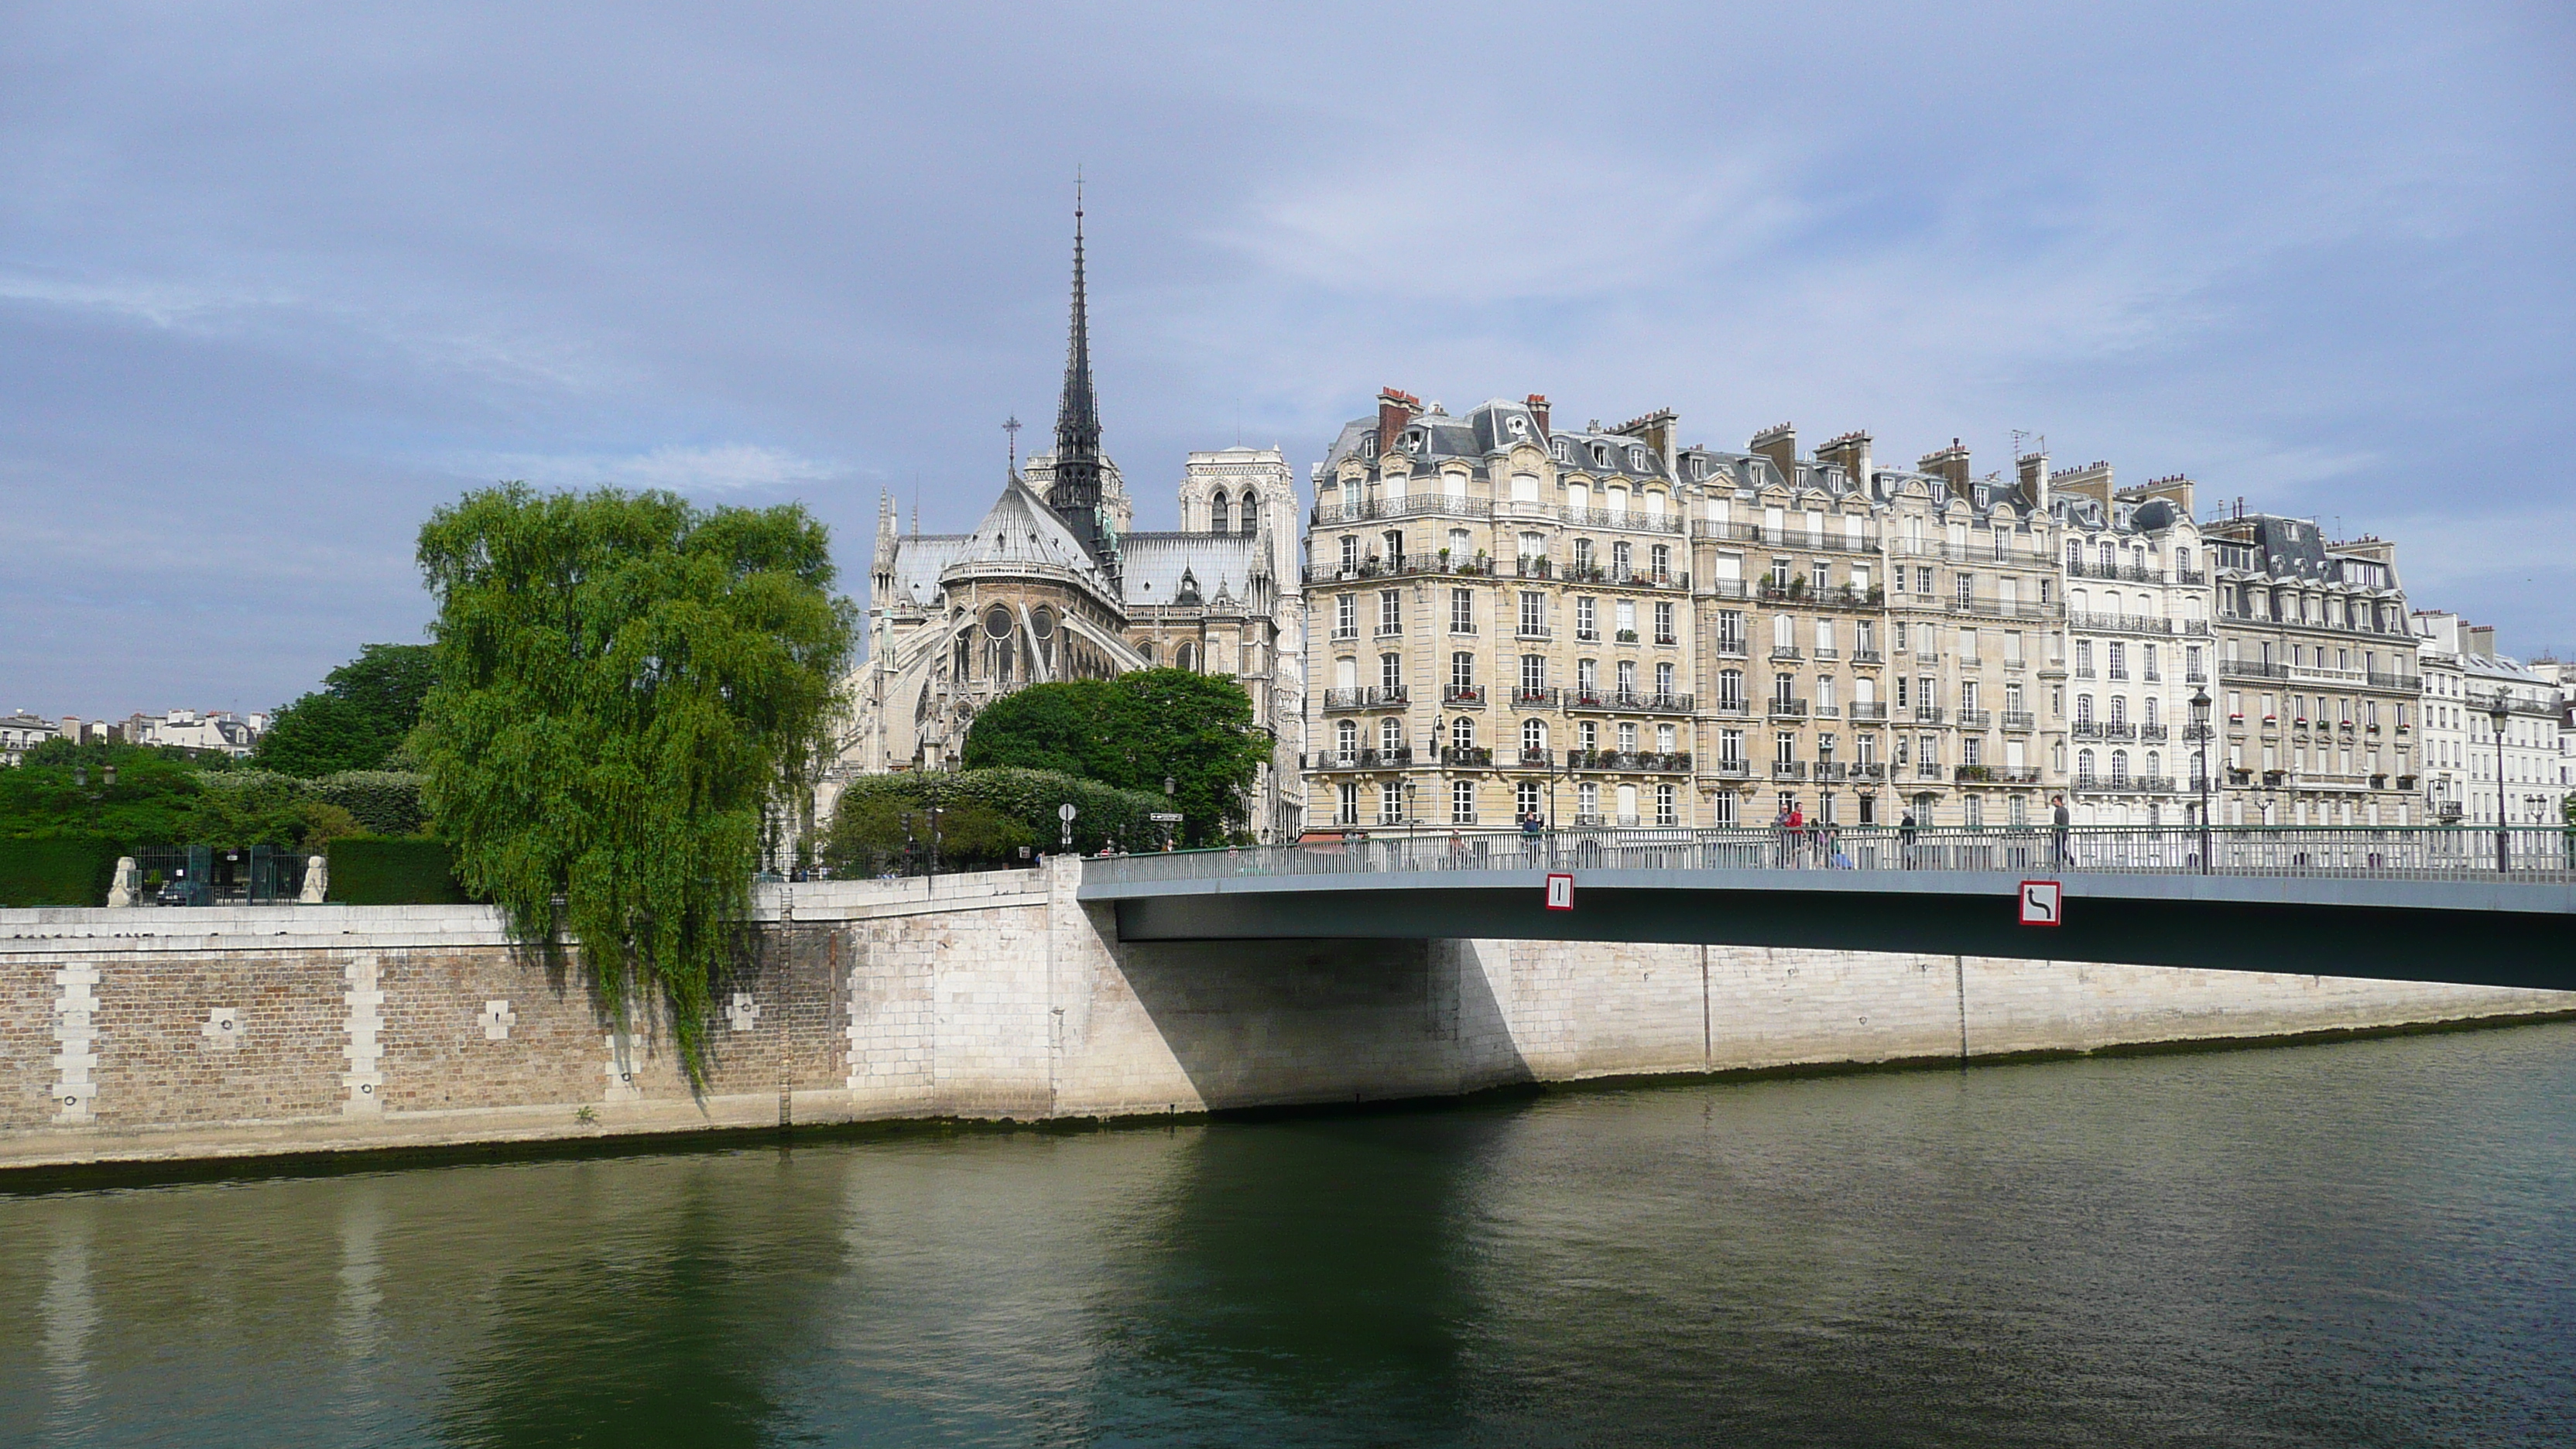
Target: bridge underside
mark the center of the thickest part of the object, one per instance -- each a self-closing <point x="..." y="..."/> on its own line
<point x="2504" y="935"/>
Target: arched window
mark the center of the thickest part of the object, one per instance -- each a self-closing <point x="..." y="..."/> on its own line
<point x="1533" y="734"/>
<point x="1250" y="515"/>
<point x="1217" y="514"/>
<point x="2084" y="765"/>
<point x="1346" y="738"/>
<point x="2119" y="709"/>
<point x="1185" y="657"/>
<point x="1462" y="733"/>
<point x="1390" y="736"/>
<point x="2155" y="764"/>
<point x="2119" y="767"/>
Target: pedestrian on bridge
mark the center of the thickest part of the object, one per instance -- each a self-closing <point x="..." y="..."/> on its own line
<point x="2058" y="821"/>
<point x="1905" y="838"/>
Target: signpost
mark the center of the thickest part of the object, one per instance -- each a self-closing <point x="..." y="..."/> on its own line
<point x="2042" y="903"/>
<point x="1065" y="812"/>
<point x="1560" y="891"/>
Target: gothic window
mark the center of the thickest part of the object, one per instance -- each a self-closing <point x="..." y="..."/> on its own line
<point x="1185" y="657"/>
<point x="1217" y="514"/>
<point x="1248" y="517"/>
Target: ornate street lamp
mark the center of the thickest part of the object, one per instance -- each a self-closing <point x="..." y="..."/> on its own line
<point x="2499" y="711"/>
<point x="2200" y="726"/>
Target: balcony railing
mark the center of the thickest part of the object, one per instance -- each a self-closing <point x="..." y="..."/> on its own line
<point x="2086" y="729"/>
<point x="1929" y="714"/>
<point x="2020" y="721"/>
<point x="1863" y="713"/>
<point x="1976" y="719"/>
<point x="1782" y="708"/>
<point x="1649" y="762"/>
<point x="1382" y="696"/>
<point x="1361" y="759"/>
<point x="1996" y="774"/>
<point x="1467" y="757"/>
<point x="1527" y="698"/>
<point x="1464" y="696"/>
<point x="1788" y="769"/>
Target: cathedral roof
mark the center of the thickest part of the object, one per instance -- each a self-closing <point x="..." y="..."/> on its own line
<point x="1154" y="562"/>
<point x="1020" y="530"/>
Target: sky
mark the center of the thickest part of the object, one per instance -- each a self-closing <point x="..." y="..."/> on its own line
<point x="278" y="280"/>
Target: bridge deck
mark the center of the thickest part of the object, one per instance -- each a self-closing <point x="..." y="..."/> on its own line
<point x="2381" y="918"/>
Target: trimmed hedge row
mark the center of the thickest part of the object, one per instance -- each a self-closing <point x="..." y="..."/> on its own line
<point x="386" y="802"/>
<point x="375" y="870"/>
<point x="1103" y="813"/>
<point x="62" y="871"/>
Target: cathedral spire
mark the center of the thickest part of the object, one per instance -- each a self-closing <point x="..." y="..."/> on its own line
<point x="1075" y="491"/>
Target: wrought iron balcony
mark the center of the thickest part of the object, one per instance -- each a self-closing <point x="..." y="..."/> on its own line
<point x="1464" y="696"/>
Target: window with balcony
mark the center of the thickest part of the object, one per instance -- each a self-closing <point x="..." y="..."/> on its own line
<point x="1622" y="560"/>
<point x="1587" y="619"/>
<point x="1390" y="738"/>
<point x="1664" y="680"/>
<point x="1346" y="616"/>
<point x="1390" y="612"/>
<point x="1534" y="615"/>
<point x="1730" y="690"/>
<point x="1390" y="672"/>
<point x="1462" y="732"/>
<point x="1660" y="557"/>
<point x="1582" y="557"/>
<point x="1664" y="633"/>
<point x="2084" y="659"/>
<point x="1462" y="611"/>
<point x="1627" y="676"/>
<point x="1350" y="552"/>
<point x="1462" y="673"/>
<point x="1623" y="613"/>
<point x="1730" y="631"/>
<point x="2118" y="653"/>
<point x="1587" y="676"/>
<point x="1346" y="739"/>
<point x="1533" y="673"/>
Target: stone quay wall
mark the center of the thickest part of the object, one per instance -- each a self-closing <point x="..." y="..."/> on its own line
<point x="151" y="1034"/>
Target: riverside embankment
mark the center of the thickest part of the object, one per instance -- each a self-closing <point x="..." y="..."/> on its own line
<point x="150" y="1034"/>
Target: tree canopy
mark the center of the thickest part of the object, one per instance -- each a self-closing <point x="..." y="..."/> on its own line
<point x="1134" y="732"/>
<point x="624" y="683"/>
<point x="163" y="797"/>
<point x="357" y="720"/>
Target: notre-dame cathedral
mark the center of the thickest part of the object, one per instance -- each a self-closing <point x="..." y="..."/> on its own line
<point x="1052" y="584"/>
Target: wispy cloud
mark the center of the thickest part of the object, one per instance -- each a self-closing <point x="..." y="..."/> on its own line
<point x="723" y="468"/>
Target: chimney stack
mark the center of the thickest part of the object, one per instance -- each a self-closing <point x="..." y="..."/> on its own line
<point x="1950" y="465"/>
<point x="1850" y="452"/>
<point x="1395" y="408"/>
<point x="2032" y="469"/>
<point x="1779" y="443"/>
<point x="1538" y="410"/>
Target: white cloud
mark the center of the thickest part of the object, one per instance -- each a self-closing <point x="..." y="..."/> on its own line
<point x="720" y="469"/>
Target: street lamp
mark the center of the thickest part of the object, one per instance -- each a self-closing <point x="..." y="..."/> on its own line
<point x="2497" y="713"/>
<point x="2200" y="726"/>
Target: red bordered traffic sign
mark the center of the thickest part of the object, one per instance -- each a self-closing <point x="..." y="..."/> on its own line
<point x="1560" y="892"/>
<point x="2043" y="903"/>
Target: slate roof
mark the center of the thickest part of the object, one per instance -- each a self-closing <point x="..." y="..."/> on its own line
<point x="1152" y="564"/>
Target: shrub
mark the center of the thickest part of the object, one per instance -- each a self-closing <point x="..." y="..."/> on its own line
<point x="386" y="802"/>
<point x="375" y="870"/>
<point x="1026" y="799"/>
<point x="62" y="871"/>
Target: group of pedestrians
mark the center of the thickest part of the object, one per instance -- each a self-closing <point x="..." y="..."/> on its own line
<point x="1801" y="845"/>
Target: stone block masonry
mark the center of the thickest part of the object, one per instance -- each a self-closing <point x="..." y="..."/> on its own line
<point x="170" y="1034"/>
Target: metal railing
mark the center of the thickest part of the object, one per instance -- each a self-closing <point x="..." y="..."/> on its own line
<point x="2424" y="852"/>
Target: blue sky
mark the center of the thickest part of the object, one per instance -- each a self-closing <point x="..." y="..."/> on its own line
<point x="277" y="280"/>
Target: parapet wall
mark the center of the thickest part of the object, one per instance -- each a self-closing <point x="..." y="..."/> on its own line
<point x="135" y="1034"/>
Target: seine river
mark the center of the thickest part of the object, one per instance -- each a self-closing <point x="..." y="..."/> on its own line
<point x="2367" y="1243"/>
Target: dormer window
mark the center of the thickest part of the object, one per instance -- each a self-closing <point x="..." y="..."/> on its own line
<point x="1601" y="455"/>
<point x="1368" y="446"/>
<point x="1559" y="450"/>
<point x="1637" y="459"/>
<point x="1516" y="425"/>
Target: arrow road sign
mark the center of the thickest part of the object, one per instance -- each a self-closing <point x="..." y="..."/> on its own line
<point x="2042" y="903"/>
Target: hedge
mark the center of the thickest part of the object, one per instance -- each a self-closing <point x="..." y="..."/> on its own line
<point x="387" y="802"/>
<point x="1102" y="812"/>
<point x="376" y="870"/>
<point x="63" y="871"/>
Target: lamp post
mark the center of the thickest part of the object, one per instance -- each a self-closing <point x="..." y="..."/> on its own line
<point x="1169" y="785"/>
<point x="2200" y="727"/>
<point x="2497" y="713"/>
<point x="1411" y="817"/>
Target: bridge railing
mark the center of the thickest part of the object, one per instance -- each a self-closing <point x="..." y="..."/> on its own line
<point x="2538" y="853"/>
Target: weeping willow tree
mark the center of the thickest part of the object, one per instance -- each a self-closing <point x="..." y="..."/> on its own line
<point x="625" y="684"/>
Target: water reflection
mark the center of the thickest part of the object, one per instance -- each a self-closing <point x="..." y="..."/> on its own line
<point x="2355" y="1244"/>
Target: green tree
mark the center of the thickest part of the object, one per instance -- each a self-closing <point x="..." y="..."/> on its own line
<point x="153" y="801"/>
<point x="866" y="836"/>
<point x="625" y="684"/>
<point x="1134" y="732"/>
<point x="357" y="720"/>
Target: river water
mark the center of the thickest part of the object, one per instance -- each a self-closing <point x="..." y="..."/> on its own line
<point x="2365" y="1243"/>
